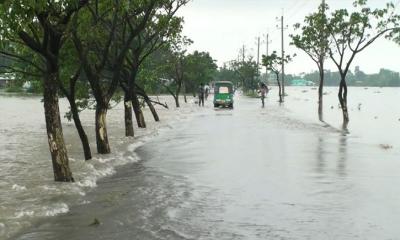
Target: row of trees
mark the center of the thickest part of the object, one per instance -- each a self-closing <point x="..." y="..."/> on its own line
<point x="384" y="78"/>
<point x="96" y="52"/>
<point x="340" y="37"/>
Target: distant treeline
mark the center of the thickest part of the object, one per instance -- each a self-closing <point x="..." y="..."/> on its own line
<point x="385" y="78"/>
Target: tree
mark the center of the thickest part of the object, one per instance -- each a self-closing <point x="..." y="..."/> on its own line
<point x="173" y="66"/>
<point x="41" y="27"/>
<point x="226" y="73"/>
<point x="161" y="28"/>
<point x="76" y="91"/>
<point x="272" y="62"/>
<point x="102" y="19"/>
<point x="247" y="72"/>
<point x="200" y="68"/>
<point x="351" y="33"/>
<point x="314" y="41"/>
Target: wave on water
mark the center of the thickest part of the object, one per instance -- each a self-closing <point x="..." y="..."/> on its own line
<point x="33" y="193"/>
<point x="45" y="211"/>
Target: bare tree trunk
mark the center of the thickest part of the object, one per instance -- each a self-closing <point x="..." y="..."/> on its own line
<point x="321" y="93"/>
<point x="62" y="172"/>
<point x="138" y="111"/>
<point x="343" y="99"/>
<point x="280" y="87"/>
<point x="177" y="101"/>
<point x="82" y="134"/>
<point x="184" y="92"/>
<point x="128" y="116"/>
<point x="152" y="109"/>
<point x="103" y="146"/>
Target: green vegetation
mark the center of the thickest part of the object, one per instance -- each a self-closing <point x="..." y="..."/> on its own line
<point x="95" y="53"/>
<point x="272" y="63"/>
<point x="385" y="78"/>
<point x="342" y="36"/>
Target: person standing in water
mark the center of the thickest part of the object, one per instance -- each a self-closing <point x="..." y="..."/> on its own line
<point x="206" y="91"/>
<point x="201" y="94"/>
<point x="263" y="93"/>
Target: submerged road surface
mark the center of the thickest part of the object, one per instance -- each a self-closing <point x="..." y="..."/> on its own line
<point x="247" y="173"/>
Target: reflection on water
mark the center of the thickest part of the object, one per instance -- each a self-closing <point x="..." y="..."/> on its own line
<point x="342" y="156"/>
<point x="321" y="155"/>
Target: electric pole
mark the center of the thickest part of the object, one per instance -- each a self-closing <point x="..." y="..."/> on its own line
<point x="258" y="55"/>
<point x="243" y="53"/>
<point x="283" y="57"/>
<point x="267" y="54"/>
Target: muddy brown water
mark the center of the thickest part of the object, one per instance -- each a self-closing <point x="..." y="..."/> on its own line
<point x="247" y="173"/>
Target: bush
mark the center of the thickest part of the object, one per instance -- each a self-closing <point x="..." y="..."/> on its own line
<point x="14" y="89"/>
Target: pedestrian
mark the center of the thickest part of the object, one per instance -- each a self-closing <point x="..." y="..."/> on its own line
<point x="201" y="94"/>
<point x="206" y="91"/>
<point x="263" y="92"/>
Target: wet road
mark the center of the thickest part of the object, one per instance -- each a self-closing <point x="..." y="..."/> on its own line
<point x="247" y="173"/>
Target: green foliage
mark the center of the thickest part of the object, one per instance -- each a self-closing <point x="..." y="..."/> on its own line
<point x="352" y="32"/>
<point x="272" y="62"/>
<point x="199" y="68"/>
<point x="247" y="72"/>
<point x="385" y="78"/>
<point x="227" y="73"/>
<point x="313" y="38"/>
<point x="14" y="89"/>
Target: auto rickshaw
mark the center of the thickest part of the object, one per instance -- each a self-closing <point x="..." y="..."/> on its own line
<point x="223" y="94"/>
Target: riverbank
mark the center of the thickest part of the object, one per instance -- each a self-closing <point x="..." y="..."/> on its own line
<point x="247" y="173"/>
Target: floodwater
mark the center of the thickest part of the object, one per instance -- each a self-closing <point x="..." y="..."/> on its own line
<point x="247" y="173"/>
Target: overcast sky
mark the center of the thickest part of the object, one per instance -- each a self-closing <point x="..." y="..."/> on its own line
<point x="222" y="27"/>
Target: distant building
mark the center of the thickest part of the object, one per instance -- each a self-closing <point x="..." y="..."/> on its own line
<point x="302" y="82"/>
<point x="6" y="80"/>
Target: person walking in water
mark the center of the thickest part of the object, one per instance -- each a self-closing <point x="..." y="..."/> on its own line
<point x="206" y="91"/>
<point x="201" y="94"/>
<point x="263" y="93"/>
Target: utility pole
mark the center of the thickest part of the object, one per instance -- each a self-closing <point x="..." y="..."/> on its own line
<point x="258" y="55"/>
<point x="267" y="54"/>
<point x="243" y="53"/>
<point x="283" y="57"/>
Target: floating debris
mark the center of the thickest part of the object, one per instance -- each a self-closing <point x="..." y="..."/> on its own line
<point x="95" y="222"/>
<point x="386" y="146"/>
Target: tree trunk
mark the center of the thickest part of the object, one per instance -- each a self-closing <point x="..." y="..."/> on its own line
<point x="152" y="109"/>
<point x="128" y="117"/>
<point x="82" y="134"/>
<point x="321" y="93"/>
<point x="280" y="87"/>
<point x="62" y="172"/>
<point x="343" y="99"/>
<point x="177" y="101"/>
<point x="138" y="111"/>
<point x="103" y="146"/>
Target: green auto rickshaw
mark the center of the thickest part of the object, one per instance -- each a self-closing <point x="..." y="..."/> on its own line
<point x="223" y="94"/>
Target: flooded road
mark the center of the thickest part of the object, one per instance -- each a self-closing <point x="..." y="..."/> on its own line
<point x="247" y="173"/>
